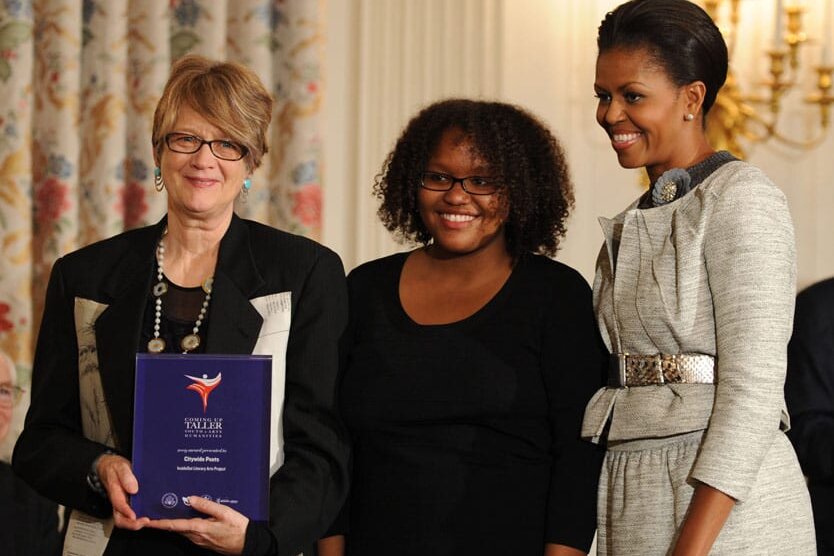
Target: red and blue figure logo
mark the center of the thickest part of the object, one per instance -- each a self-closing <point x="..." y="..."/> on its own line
<point x="204" y="386"/>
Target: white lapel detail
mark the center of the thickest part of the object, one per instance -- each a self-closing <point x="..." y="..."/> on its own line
<point x="95" y="419"/>
<point x="87" y="534"/>
<point x="276" y="310"/>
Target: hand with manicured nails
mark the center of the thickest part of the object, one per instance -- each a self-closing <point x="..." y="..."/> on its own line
<point x="223" y="530"/>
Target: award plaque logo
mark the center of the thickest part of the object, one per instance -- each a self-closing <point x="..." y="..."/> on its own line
<point x="204" y="386"/>
<point x="169" y="500"/>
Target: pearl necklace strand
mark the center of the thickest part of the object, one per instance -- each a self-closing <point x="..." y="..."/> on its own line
<point x="191" y="341"/>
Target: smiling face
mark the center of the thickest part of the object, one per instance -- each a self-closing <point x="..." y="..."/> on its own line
<point x="643" y="112"/>
<point x="200" y="185"/>
<point x="460" y="223"/>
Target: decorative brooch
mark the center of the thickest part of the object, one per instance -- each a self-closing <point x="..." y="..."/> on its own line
<point x="670" y="185"/>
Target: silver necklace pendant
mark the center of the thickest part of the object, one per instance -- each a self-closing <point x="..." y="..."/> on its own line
<point x="156" y="345"/>
<point x="160" y="289"/>
<point x="190" y="342"/>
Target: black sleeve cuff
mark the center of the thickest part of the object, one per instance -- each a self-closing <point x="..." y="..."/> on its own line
<point x="259" y="541"/>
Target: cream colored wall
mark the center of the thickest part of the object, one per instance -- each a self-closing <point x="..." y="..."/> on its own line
<point x="385" y="58"/>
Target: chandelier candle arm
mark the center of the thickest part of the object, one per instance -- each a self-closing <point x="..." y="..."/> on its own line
<point x="741" y="116"/>
<point x="776" y="84"/>
<point x="777" y="26"/>
<point x="711" y="7"/>
<point x="825" y="96"/>
<point x="827" y="26"/>
<point x="795" y="35"/>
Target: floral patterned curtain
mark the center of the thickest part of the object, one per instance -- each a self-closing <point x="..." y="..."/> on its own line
<point x="79" y="80"/>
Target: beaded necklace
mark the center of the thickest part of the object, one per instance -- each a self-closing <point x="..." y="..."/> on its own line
<point x="190" y="341"/>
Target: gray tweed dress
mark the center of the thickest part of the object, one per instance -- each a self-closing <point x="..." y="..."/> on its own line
<point x="712" y="272"/>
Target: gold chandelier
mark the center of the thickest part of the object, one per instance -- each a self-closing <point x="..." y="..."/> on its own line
<point x="740" y="118"/>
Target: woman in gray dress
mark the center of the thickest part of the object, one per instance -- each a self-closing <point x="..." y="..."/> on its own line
<point x="694" y="295"/>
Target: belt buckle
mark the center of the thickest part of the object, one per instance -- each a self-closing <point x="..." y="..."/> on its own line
<point x="621" y="368"/>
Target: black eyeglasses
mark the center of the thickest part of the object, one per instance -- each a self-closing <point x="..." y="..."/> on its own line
<point x="474" y="185"/>
<point x="190" y="144"/>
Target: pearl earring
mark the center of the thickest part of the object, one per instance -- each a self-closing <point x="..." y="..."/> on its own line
<point x="689" y="117"/>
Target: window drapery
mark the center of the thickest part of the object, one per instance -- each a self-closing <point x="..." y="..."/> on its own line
<point x="79" y="80"/>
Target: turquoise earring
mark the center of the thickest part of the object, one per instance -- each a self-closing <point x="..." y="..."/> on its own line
<point x="244" y="191"/>
<point x="157" y="179"/>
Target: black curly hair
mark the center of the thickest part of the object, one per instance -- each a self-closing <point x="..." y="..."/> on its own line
<point x="519" y="149"/>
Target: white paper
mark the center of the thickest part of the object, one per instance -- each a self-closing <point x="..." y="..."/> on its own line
<point x="87" y="535"/>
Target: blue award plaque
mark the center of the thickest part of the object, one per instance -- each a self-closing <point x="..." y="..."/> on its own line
<point x="201" y="427"/>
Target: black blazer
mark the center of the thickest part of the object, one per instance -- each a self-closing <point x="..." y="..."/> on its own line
<point x="52" y="453"/>
<point x="809" y="392"/>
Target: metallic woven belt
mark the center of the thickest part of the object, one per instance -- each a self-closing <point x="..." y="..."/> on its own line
<point x="626" y="370"/>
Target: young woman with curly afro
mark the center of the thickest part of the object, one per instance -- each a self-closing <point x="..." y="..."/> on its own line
<point x="469" y="360"/>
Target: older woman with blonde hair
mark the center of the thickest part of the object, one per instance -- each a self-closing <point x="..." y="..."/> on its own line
<point x="195" y="282"/>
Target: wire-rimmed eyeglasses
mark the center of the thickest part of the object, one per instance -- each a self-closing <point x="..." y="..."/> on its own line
<point x="223" y="149"/>
<point x="474" y="185"/>
<point x="10" y="395"/>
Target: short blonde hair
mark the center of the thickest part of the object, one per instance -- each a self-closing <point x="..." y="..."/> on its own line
<point x="228" y="95"/>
